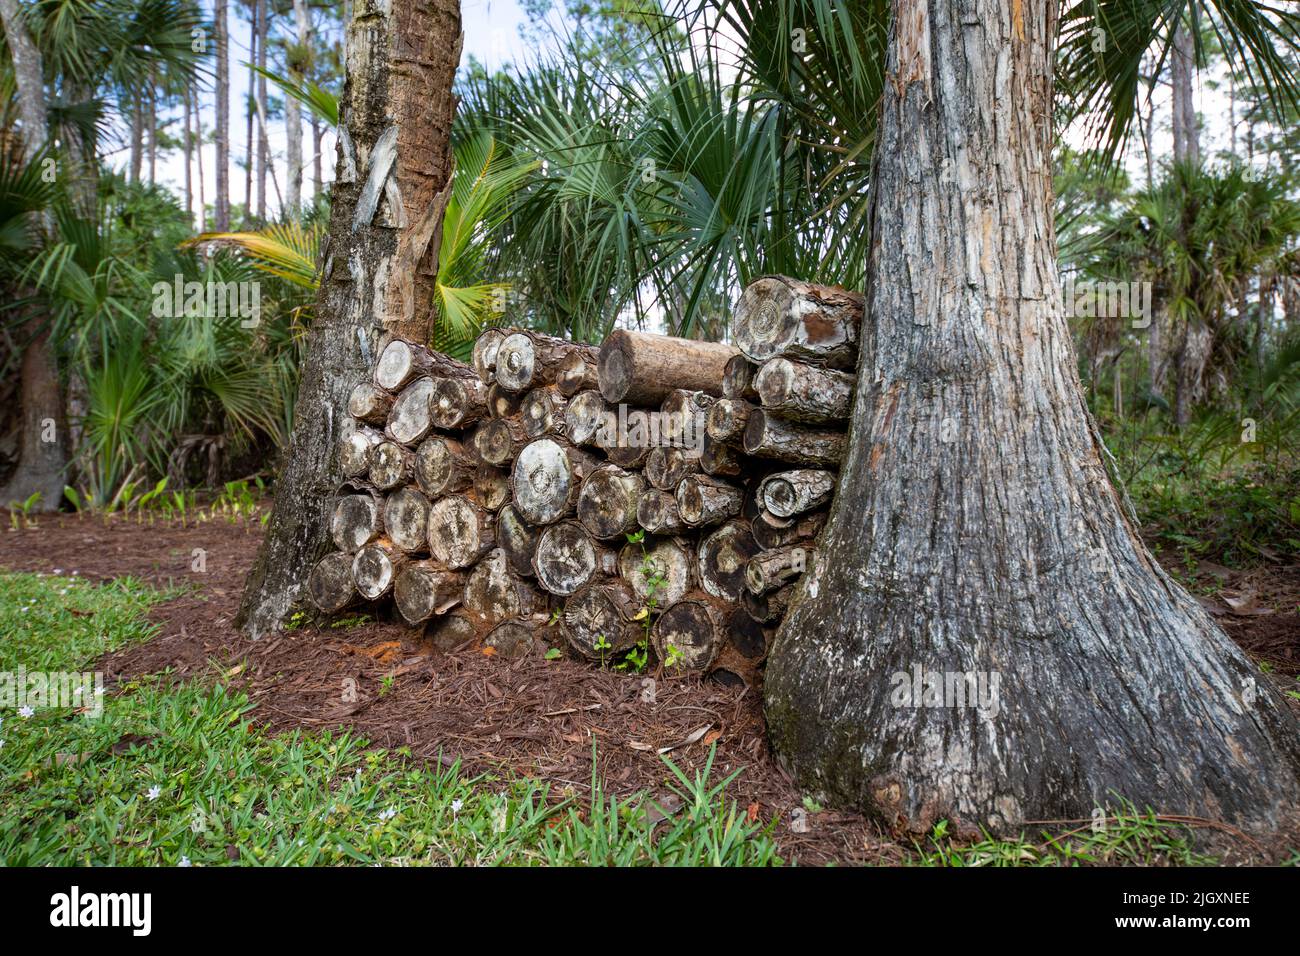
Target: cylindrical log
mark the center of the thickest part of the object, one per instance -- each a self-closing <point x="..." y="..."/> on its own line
<point x="484" y="356"/>
<point x="424" y="589"/>
<point x="406" y="520"/>
<point x="768" y="570"/>
<point x="768" y="608"/>
<point x="771" y="531"/>
<point x="660" y="570"/>
<point x="608" y="500"/>
<point x="375" y="567"/>
<point x="460" y="532"/>
<point x="666" y="467"/>
<point x="494" y="593"/>
<point x="720" y="459"/>
<point x="567" y="557"/>
<point x="517" y="539"/>
<point x="370" y="404"/>
<point x="357" y="520"/>
<point x="685" y="404"/>
<point x="599" y="621"/>
<point x="409" y="419"/>
<point x="816" y="324"/>
<point x="584" y="417"/>
<point x="630" y="455"/>
<point x="727" y="420"/>
<point x="452" y="630"/>
<point x="746" y="635"/>
<point x="443" y="467"/>
<point x="657" y="513"/>
<point x="457" y="402"/>
<point x="400" y="363"/>
<point x="498" y="441"/>
<point x="577" y="372"/>
<point x="689" y="635"/>
<point x="738" y="379"/>
<point x="546" y="478"/>
<point x="491" y="487"/>
<point x="503" y="404"/>
<point x="789" y="493"/>
<point x="703" y="500"/>
<point x="355" y="450"/>
<point x="722" y="559"/>
<point x="542" y="412"/>
<point x="768" y="437"/>
<point x="514" y="639"/>
<point x="528" y="359"/>
<point x="640" y="368"/>
<point x="330" y="583"/>
<point x="804" y="393"/>
<point x="391" y="465"/>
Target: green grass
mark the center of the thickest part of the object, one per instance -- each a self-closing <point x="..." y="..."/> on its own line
<point x="180" y="774"/>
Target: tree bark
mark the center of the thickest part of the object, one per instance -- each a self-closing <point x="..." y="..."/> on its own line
<point x="769" y="437"/>
<point x="379" y="264"/>
<point x="789" y="493"/>
<point x="804" y="393"/>
<point x="978" y="534"/>
<point x="1182" y="76"/>
<point x="293" y="110"/>
<point x="703" y="500"/>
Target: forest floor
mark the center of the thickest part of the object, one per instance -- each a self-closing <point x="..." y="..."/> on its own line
<point x="530" y="718"/>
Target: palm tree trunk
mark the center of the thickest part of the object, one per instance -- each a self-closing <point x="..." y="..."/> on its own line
<point x="378" y="275"/>
<point x="987" y="640"/>
<point x="221" y="210"/>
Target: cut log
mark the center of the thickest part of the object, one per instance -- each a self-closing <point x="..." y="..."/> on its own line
<point x="330" y="584"/>
<point x="768" y="608"/>
<point x="666" y="467"/>
<point x="460" y="532"/>
<point x="577" y="373"/>
<point x="816" y="324"/>
<point x="409" y="419"/>
<point x="584" y="417"/>
<point x="689" y="635"/>
<point x="703" y="500"/>
<point x="746" y="635"/>
<point x="608" y="500"/>
<point x="727" y="420"/>
<point x="657" y="513"/>
<point x="769" y="570"/>
<point x="789" y="493"/>
<point x="452" y="630"/>
<point x="494" y="593"/>
<point x="517" y="539"/>
<point x="598" y="621"/>
<point x="391" y="465"/>
<point x="401" y="363"/>
<point x="723" y="556"/>
<point x="542" y="412"/>
<point x="357" y="520"/>
<point x="546" y="478"/>
<point x="406" y="520"/>
<point x="503" y="404"/>
<point x="484" y="355"/>
<point x="355" y="450"/>
<point x="370" y="404"/>
<point x="567" y="557"/>
<point x="525" y="360"/>
<point x="443" y="467"/>
<point x="457" y="402"/>
<point x="771" y="531"/>
<point x="720" y="459"/>
<point x="424" y="589"/>
<point x="623" y="454"/>
<point x="768" y="437"/>
<point x="375" y="567"/>
<point x="498" y="441"/>
<point x="514" y="639"/>
<point x="738" y="379"/>
<point x="804" y="393"/>
<point x="491" y="487"/>
<point x="660" y="570"/>
<point x="641" y="369"/>
<point x="685" y="404"/>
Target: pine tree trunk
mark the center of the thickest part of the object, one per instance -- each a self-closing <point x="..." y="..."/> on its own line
<point x="263" y="158"/>
<point x="379" y="266"/>
<point x="977" y="533"/>
<point x="293" y="110"/>
<point x="221" y="204"/>
<point x="1182" y="76"/>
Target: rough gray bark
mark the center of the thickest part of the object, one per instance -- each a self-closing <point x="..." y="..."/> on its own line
<point x="978" y="533"/>
<point x="221" y="129"/>
<point x="769" y="437"/>
<point x="804" y="393"/>
<point x="789" y="493"/>
<point x="379" y="265"/>
<point x="1182" y="78"/>
<point x="703" y="500"/>
<point x="297" y="57"/>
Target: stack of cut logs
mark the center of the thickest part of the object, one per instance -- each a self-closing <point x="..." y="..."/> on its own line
<point x="553" y="486"/>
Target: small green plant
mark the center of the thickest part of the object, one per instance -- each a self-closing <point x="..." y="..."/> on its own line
<point x="23" y="511"/>
<point x="386" y="684"/>
<point x="638" y="657"/>
<point x="601" y="646"/>
<point x="554" y="654"/>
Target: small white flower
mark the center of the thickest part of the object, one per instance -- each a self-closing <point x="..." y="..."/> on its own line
<point x="185" y="861"/>
<point x="154" y="793"/>
<point x="26" y="710"/>
<point x="456" y="805"/>
<point x="75" y="573"/>
<point x="388" y="814"/>
<point x="58" y="570"/>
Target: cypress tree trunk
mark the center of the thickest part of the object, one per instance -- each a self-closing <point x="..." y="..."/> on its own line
<point x="977" y="533"/>
<point x="380" y="263"/>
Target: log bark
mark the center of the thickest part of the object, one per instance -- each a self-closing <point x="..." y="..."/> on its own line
<point x="669" y="562"/>
<point x="391" y="465"/>
<point x="460" y="532"/>
<point x="443" y="467"/>
<point x="355" y="450"/>
<point x="738" y="379"/>
<point x="542" y="412"/>
<point x="375" y="567"/>
<point x="484" y="356"/>
<point x="666" y="467"/>
<point x="457" y="402"/>
<point x="424" y="590"/>
<point x="789" y="493"/>
<point x="608" y="501"/>
<point x="406" y="520"/>
<point x="722" y="557"/>
<point x="727" y="420"/>
<point x="720" y="459"/>
<point x="546" y="479"/>
<point x="526" y="360"/>
<point x="770" y="570"/>
<point x="370" y="404"/>
<point x="703" y="500"/>
<point x="804" y="393"/>
<point x="599" y="614"/>
<point x="330" y="586"/>
<point x="817" y="324"/>
<point x="639" y="368"/>
<point x="584" y="416"/>
<point x="691" y="633"/>
<point x="577" y="373"/>
<point x="358" y="520"/>
<point x="771" y="531"/>
<point x="770" y="607"/>
<point x="978" y="533"/>
<point x="769" y="437"/>
<point x="657" y="513"/>
<point x="494" y="593"/>
<point x="517" y="539"/>
<point x="409" y="420"/>
<point x="567" y="557"/>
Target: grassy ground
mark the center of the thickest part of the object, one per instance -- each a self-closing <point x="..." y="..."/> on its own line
<point x="176" y="774"/>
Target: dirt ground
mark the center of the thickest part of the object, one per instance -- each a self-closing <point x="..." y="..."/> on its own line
<point x="534" y="717"/>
